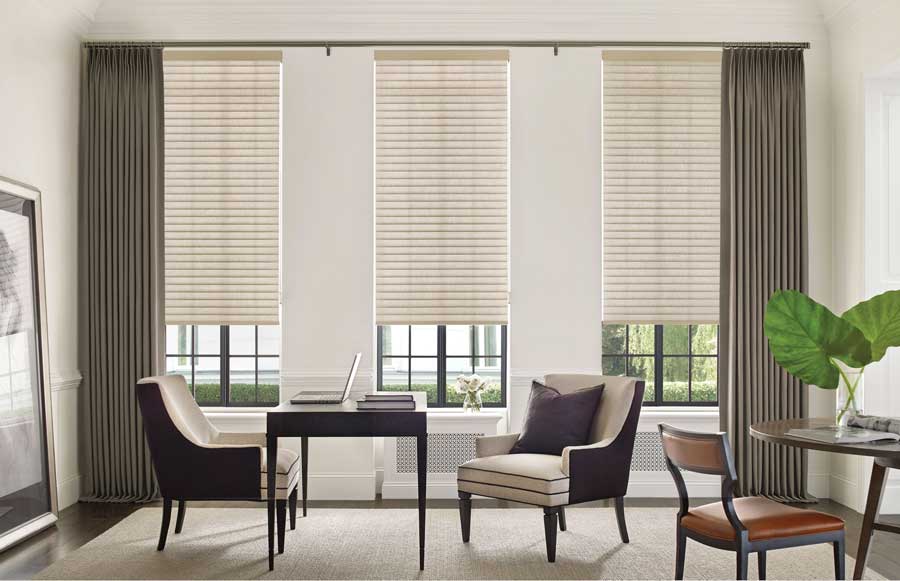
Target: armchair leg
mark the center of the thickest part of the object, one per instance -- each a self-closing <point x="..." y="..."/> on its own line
<point x="292" y="508"/>
<point x="465" y="514"/>
<point x="761" y="565"/>
<point x="550" y="524"/>
<point x="281" y="511"/>
<point x="166" y="519"/>
<point x="179" y="520"/>
<point x="562" y="518"/>
<point x="620" y="518"/>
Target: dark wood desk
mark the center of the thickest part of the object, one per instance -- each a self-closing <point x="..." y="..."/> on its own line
<point x="343" y="421"/>
<point x="885" y="455"/>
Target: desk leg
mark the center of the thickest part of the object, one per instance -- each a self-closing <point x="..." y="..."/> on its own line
<point x="271" y="459"/>
<point x="422" y="470"/>
<point x="873" y="503"/>
<point x="304" y="468"/>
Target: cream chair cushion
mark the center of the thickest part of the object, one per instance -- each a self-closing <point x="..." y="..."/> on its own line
<point x="287" y="473"/>
<point x="530" y="478"/>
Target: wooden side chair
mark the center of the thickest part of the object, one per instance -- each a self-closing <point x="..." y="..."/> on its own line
<point x="743" y="525"/>
<point x="195" y="461"/>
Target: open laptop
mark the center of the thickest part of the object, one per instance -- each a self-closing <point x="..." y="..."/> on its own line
<point x="329" y="396"/>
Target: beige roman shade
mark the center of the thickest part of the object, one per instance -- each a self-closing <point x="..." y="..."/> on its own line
<point x="661" y="152"/>
<point x="441" y="187"/>
<point x="222" y="184"/>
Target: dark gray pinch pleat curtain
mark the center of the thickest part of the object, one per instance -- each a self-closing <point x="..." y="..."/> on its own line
<point x="120" y="263"/>
<point x="764" y="248"/>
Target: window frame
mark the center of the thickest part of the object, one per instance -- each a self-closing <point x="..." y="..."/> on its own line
<point x="659" y="358"/>
<point x="441" y="357"/>
<point x="224" y="355"/>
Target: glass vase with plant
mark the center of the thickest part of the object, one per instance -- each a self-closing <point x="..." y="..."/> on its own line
<point x="823" y="349"/>
<point x="471" y="387"/>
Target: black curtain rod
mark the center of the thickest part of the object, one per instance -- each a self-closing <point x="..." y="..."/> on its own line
<point x="556" y="45"/>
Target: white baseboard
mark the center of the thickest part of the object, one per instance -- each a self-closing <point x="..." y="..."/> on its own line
<point x="661" y="485"/>
<point x="68" y="491"/>
<point x="342" y="486"/>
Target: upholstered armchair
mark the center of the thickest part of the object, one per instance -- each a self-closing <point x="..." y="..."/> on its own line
<point x="195" y="461"/>
<point x="598" y="470"/>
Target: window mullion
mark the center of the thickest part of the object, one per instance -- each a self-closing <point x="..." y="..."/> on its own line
<point x="658" y="363"/>
<point x="441" y="378"/>
<point x="224" y="373"/>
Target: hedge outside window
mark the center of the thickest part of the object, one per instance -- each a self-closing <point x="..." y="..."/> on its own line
<point x="247" y="355"/>
<point x="684" y="357"/>
<point x="429" y="358"/>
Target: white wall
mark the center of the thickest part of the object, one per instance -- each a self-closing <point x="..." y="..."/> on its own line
<point x="865" y="44"/>
<point x="39" y="70"/>
<point x="555" y="166"/>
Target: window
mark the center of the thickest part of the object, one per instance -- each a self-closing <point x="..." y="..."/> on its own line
<point x="245" y="354"/>
<point x="430" y="357"/>
<point x="677" y="362"/>
<point x="661" y="217"/>
<point x="222" y="223"/>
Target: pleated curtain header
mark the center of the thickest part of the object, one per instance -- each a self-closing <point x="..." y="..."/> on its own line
<point x="222" y="185"/>
<point x="441" y="187"/>
<point x="661" y="190"/>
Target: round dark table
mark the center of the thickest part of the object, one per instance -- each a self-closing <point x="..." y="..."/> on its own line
<point x="885" y="455"/>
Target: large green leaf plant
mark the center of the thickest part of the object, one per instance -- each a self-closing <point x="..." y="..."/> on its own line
<point x="808" y="340"/>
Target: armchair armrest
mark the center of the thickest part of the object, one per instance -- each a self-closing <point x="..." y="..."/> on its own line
<point x="240" y="439"/>
<point x="578" y="450"/>
<point x="495" y="445"/>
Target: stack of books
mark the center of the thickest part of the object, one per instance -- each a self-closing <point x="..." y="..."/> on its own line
<point x="386" y="401"/>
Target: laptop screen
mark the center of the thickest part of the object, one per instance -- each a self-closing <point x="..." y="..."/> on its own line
<point x="352" y="375"/>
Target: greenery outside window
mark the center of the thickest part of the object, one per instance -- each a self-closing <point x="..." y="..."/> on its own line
<point x="430" y="357"/>
<point x="247" y="356"/>
<point x="679" y="363"/>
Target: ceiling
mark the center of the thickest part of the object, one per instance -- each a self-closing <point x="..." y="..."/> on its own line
<point x="417" y="18"/>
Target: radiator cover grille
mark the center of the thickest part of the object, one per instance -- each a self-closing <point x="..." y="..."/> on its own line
<point x="445" y="452"/>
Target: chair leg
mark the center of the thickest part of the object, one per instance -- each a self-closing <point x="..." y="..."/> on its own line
<point x="620" y="518"/>
<point x="281" y="512"/>
<point x="761" y="565"/>
<point x="562" y="518"/>
<point x="550" y="524"/>
<point x="680" y="546"/>
<point x="839" y="559"/>
<point x="292" y="508"/>
<point x="742" y="561"/>
<point x="179" y="519"/>
<point x="166" y="519"/>
<point x="465" y="514"/>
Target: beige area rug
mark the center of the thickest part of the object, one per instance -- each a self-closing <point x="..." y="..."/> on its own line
<point x="222" y="543"/>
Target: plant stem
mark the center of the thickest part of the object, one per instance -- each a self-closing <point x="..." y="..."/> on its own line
<point x="851" y="390"/>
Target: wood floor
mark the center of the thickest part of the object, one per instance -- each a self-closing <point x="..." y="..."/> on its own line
<point x="82" y="522"/>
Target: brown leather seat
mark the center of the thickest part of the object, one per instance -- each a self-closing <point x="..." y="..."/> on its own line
<point x="765" y="519"/>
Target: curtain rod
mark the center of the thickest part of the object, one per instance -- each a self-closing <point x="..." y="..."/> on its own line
<point x="555" y="45"/>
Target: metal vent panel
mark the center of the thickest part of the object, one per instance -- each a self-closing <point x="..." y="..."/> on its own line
<point x="648" y="454"/>
<point x="445" y="452"/>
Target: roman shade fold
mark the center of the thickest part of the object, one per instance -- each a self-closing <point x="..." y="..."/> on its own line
<point x="222" y="112"/>
<point x="661" y="116"/>
<point x="441" y="187"/>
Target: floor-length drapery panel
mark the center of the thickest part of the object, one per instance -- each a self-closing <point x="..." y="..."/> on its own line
<point x="764" y="248"/>
<point x="120" y="263"/>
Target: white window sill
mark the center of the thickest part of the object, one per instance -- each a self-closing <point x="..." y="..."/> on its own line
<point x="662" y="412"/>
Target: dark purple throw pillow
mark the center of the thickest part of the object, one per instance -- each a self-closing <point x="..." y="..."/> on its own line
<point x="555" y="421"/>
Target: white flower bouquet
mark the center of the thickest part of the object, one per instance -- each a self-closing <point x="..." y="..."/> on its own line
<point x="471" y="387"/>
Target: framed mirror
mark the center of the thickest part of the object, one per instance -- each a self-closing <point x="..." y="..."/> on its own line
<point x="27" y="475"/>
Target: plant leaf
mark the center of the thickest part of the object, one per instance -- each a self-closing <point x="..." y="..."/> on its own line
<point x="804" y="336"/>
<point x="879" y="320"/>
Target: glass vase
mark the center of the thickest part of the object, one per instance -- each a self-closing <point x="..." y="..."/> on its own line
<point x="472" y="402"/>
<point x="849" y="396"/>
